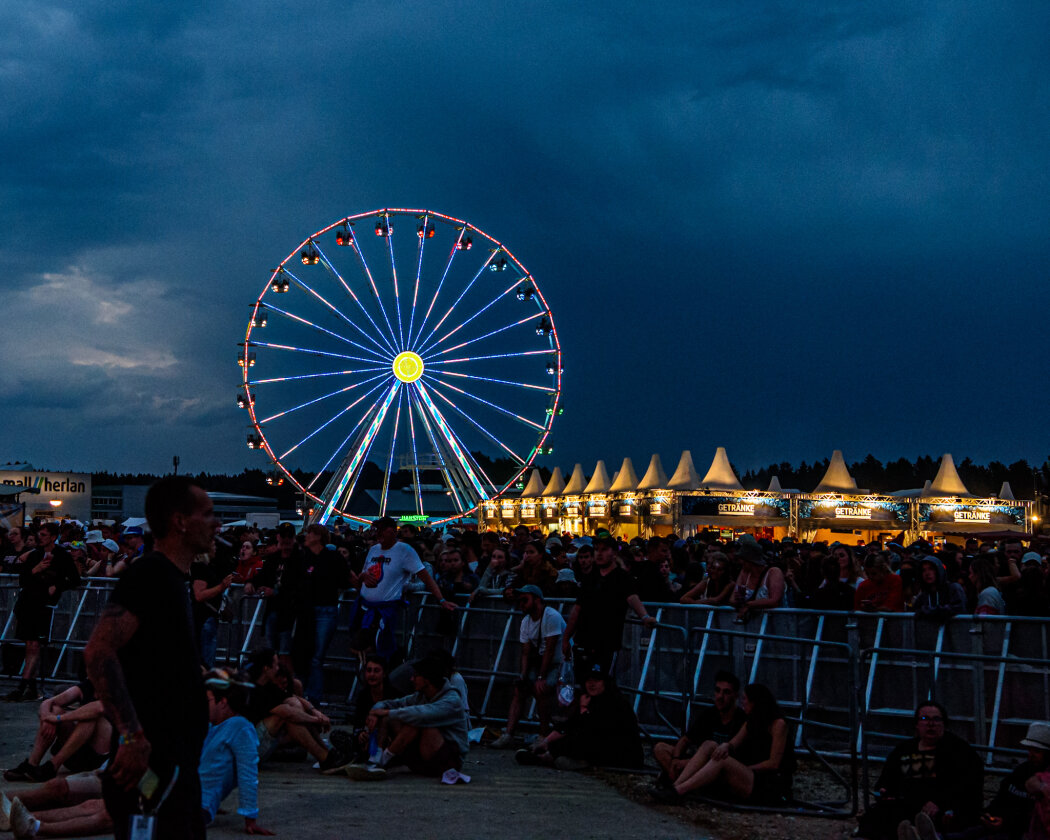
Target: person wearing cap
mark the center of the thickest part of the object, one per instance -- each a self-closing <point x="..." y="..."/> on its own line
<point x="597" y="618"/>
<point x="541" y="660"/>
<point x="230" y="756"/>
<point x="388" y="566"/>
<point x="1030" y="596"/>
<point x="325" y="574"/>
<point x="601" y="729"/>
<point x="1009" y="813"/>
<point x="426" y="730"/>
<point x="133" y="542"/>
<point x="935" y="772"/>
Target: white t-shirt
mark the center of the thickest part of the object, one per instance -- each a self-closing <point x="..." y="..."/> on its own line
<point x="537" y="632"/>
<point x="396" y="565"/>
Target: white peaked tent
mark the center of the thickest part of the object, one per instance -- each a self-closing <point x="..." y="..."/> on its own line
<point x="720" y="475"/>
<point x="556" y="485"/>
<point x="599" y="482"/>
<point x="947" y="481"/>
<point x="655" y="478"/>
<point x="534" y="487"/>
<point x="837" y="479"/>
<point x="577" y="481"/>
<point x="774" y="485"/>
<point x="1007" y="492"/>
<point x="625" y="480"/>
<point x="685" y="476"/>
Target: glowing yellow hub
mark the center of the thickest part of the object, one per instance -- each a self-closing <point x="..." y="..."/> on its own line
<point x="408" y="367"/>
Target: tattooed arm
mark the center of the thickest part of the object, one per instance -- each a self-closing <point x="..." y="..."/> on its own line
<point x="114" y="630"/>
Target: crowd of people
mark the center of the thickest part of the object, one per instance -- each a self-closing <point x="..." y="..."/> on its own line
<point x="103" y="734"/>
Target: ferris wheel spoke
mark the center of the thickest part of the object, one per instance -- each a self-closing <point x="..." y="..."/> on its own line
<point x="397" y="295"/>
<point x="435" y="361"/>
<point x="481" y="428"/>
<point x="545" y="388"/>
<point x="419" y="272"/>
<point x="415" y="455"/>
<point x="466" y="289"/>
<point x="368" y="273"/>
<point x="435" y="380"/>
<point x="331" y="420"/>
<point x="382" y="354"/>
<point x="337" y="311"/>
<point x="451" y="481"/>
<point x="492" y="333"/>
<point x="314" y="375"/>
<point x="308" y="350"/>
<point x="481" y="311"/>
<point x="461" y="456"/>
<point x="351" y="471"/>
<point x="316" y="400"/>
<point x="452" y="255"/>
<point x="390" y="456"/>
<point x="329" y="265"/>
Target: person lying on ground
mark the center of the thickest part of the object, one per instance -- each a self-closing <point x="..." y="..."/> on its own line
<point x="719" y="724"/>
<point x="74" y="727"/>
<point x="755" y="765"/>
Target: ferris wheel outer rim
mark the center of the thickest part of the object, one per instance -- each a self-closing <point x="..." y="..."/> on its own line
<point x="387" y="211"/>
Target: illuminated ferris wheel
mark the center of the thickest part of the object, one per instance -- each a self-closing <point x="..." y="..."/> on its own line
<point x="385" y="352"/>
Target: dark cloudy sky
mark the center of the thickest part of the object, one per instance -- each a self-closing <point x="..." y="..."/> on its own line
<point x="781" y="228"/>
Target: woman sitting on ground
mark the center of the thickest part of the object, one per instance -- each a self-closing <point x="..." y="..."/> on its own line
<point x="755" y="766"/>
<point x="375" y="686"/>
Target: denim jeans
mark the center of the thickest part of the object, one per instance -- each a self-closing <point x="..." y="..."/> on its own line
<point x="324" y="629"/>
<point x="209" y="641"/>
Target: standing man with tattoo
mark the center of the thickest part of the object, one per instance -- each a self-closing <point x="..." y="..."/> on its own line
<point x="144" y="663"/>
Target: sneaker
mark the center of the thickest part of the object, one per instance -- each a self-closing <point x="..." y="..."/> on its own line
<point x="527" y="758"/>
<point x="925" y="828"/>
<point x="43" y="772"/>
<point x="22" y="773"/>
<point x="503" y="742"/>
<point x="32" y="695"/>
<point x="366" y="772"/>
<point x="23" y="824"/>
<point x="5" y="812"/>
<point x="666" y="796"/>
<point x="564" y="762"/>
<point x="334" y="762"/>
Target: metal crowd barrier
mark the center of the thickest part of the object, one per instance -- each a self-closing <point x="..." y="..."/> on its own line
<point x="850" y="681"/>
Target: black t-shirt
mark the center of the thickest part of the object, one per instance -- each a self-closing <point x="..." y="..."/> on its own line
<point x="708" y="726"/>
<point x="603" y="609"/>
<point x="161" y="664"/>
<point x="203" y="610"/>
<point x="62" y="574"/>
<point x="87" y="692"/>
<point x="324" y="574"/>
<point x="264" y="698"/>
<point x="284" y="576"/>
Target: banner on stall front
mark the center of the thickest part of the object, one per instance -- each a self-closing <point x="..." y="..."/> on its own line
<point x="756" y="507"/>
<point x="853" y="511"/>
<point x="959" y="514"/>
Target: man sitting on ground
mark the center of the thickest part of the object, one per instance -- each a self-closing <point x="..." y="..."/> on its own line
<point x="281" y="718"/>
<point x="426" y="731"/>
<point x="230" y="758"/>
<point x="73" y="726"/>
<point x="541" y="659"/>
<point x="718" y="724"/>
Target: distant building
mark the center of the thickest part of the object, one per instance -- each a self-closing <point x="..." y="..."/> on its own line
<point x="124" y="501"/>
<point x="59" y="494"/>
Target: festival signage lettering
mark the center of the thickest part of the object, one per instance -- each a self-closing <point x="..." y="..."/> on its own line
<point x="869" y="510"/>
<point x="528" y="511"/>
<point x="961" y="514"/>
<point x="757" y="507"/>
